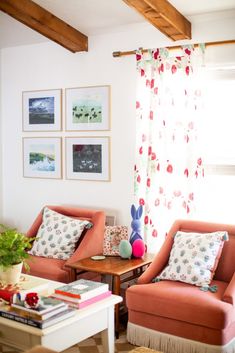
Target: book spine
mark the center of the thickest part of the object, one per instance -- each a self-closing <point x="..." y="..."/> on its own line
<point x="87" y="302"/>
<point x="86" y="295"/>
<point x="20" y="319"/>
<point x="68" y="294"/>
<point x="94" y="299"/>
<point x="25" y="314"/>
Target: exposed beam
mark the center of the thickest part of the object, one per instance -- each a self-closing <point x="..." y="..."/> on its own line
<point x="164" y="16"/>
<point x="44" y="22"/>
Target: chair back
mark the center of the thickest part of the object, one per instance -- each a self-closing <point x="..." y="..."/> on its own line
<point x="226" y="265"/>
<point x="92" y="242"/>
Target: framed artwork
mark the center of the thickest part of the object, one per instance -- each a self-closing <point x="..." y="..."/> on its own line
<point x="110" y="220"/>
<point x="87" y="158"/>
<point x="42" y="110"/>
<point x="42" y="157"/>
<point x="88" y="108"/>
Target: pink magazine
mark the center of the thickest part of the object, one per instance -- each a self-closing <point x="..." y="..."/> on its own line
<point x="84" y="303"/>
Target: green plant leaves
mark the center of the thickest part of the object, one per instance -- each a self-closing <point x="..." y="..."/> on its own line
<point x="13" y="246"/>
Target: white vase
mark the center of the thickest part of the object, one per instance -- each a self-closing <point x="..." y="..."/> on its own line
<point x="12" y="274"/>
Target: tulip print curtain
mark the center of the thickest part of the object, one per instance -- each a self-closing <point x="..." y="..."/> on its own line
<point x="168" y="161"/>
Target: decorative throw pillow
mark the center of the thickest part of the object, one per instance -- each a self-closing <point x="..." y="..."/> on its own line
<point x="58" y="235"/>
<point x="194" y="257"/>
<point x="112" y="238"/>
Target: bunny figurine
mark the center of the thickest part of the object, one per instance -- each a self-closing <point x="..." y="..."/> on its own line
<point x="136" y="241"/>
<point x="136" y="223"/>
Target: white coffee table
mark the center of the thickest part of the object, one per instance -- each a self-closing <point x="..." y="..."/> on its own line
<point x="97" y="317"/>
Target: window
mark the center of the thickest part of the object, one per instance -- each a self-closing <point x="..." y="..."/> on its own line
<point x="217" y="135"/>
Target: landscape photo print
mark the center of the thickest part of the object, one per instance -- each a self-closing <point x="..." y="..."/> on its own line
<point x="42" y="157"/>
<point x="88" y="108"/>
<point x="87" y="158"/>
<point x="42" y="110"/>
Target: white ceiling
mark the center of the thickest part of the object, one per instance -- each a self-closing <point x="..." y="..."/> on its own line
<point x="96" y="16"/>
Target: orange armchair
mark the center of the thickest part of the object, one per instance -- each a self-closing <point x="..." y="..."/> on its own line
<point x="90" y="244"/>
<point x="177" y="317"/>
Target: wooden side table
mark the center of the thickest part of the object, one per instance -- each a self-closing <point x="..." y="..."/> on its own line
<point x="116" y="267"/>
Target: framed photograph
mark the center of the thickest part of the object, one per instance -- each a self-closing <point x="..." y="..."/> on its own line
<point x="110" y="220"/>
<point x="42" y="110"/>
<point x="87" y="158"/>
<point x="42" y="157"/>
<point x="88" y="108"/>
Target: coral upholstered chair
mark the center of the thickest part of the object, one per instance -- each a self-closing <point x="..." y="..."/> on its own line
<point x="173" y="316"/>
<point x="89" y="244"/>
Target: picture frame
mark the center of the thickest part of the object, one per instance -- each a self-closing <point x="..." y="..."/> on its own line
<point x="110" y="220"/>
<point x="87" y="108"/>
<point x="87" y="158"/>
<point x="42" y="157"/>
<point x="42" y="110"/>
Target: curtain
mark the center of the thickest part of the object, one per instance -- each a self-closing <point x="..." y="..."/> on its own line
<point x="168" y="159"/>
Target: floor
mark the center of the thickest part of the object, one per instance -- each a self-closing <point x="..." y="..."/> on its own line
<point x="93" y="345"/>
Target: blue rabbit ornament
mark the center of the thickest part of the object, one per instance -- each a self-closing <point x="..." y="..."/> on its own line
<point x="136" y="223"/>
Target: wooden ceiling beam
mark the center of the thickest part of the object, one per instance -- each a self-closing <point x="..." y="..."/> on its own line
<point x="164" y="16"/>
<point x="44" y="22"/>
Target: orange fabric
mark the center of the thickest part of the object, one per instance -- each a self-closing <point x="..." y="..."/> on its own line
<point x="182" y="301"/>
<point x="52" y="269"/>
<point x="91" y="244"/>
<point x="159" y="262"/>
<point x="182" y="309"/>
<point x="226" y="265"/>
<point x="182" y="329"/>
<point x="229" y="294"/>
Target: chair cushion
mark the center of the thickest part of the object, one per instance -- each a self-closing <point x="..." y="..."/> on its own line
<point x="183" y="302"/>
<point x="58" y="235"/>
<point x="194" y="257"/>
<point x="52" y="269"/>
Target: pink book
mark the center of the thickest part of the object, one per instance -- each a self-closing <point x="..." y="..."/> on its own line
<point x="87" y="302"/>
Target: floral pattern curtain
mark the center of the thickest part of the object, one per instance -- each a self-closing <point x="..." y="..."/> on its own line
<point x="168" y="161"/>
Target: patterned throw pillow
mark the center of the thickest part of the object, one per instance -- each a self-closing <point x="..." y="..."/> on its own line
<point x="194" y="257"/>
<point x="58" y="235"/>
<point x="112" y="237"/>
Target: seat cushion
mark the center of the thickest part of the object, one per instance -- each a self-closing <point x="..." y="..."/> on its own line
<point x="52" y="269"/>
<point x="183" y="302"/>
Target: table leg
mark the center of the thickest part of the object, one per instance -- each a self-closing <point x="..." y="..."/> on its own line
<point x="117" y="291"/>
<point x="107" y="336"/>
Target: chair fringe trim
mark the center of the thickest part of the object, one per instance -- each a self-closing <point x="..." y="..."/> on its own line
<point x="141" y="336"/>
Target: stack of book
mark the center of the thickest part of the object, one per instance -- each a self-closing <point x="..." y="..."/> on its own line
<point x="81" y="293"/>
<point x="49" y="312"/>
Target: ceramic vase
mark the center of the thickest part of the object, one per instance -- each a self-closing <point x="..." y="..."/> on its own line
<point x="12" y="274"/>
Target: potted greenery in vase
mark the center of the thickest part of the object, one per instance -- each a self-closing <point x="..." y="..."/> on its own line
<point x="13" y="253"/>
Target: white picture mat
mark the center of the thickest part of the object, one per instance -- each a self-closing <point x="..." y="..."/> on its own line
<point x="81" y="93"/>
<point x="41" y="144"/>
<point x="105" y="165"/>
<point x="56" y="126"/>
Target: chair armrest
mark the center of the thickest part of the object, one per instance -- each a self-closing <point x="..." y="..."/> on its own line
<point x="229" y="294"/>
<point x="92" y="243"/>
<point x="159" y="262"/>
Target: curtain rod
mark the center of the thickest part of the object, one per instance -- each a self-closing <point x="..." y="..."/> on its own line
<point x="117" y="54"/>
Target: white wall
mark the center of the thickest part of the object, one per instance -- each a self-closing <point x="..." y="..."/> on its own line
<point x="0" y="143"/>
<point x="49" y="66"/>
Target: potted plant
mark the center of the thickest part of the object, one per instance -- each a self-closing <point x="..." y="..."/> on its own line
<point x="13" y="253"/>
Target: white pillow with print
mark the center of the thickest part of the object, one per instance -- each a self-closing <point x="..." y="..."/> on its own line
<point x="58" y="235"/>
<point x="194" y="257"/>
